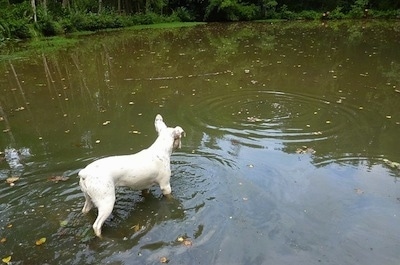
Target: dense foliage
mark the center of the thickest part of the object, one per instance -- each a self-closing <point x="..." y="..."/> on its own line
<point x="28" y="18"/>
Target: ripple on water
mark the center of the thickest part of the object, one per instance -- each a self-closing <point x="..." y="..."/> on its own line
<point x="256" y="116"/>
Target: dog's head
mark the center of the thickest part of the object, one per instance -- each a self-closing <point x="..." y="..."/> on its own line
<point x="177" y="133"/>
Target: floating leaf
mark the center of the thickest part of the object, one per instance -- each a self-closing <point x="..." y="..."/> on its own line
<point x="40" y="241"/>
<point x="136" y="228"/>
<point x="63" y="223"/>
<point x="56" y="179"/>
<point x="11" y="180"/>
<point x="106" y="123"/>
<point x="164" y="260"/>
<point x="187" y="243"/>
<point x="253" y="119"/>
<point x="6" y="260"/>
<point x="359" y="191"/>
<point x="305" y="150"/>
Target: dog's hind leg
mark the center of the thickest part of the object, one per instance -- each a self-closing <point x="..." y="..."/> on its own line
<point x="105" y="206"/>
<point x="88" y="204"/>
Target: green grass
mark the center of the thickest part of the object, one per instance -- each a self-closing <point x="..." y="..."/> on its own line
<point x="53" y="44"/>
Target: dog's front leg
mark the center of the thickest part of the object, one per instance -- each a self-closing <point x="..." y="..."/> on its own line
<point x="165" y="186"/>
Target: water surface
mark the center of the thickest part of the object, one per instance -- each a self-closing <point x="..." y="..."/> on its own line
<point x="290" y="155"/>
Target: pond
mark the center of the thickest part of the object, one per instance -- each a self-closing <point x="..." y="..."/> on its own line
<point x="290" y="156"/>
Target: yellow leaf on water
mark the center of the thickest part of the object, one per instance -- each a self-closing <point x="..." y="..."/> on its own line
<point x="187" y="242"/>
<point x="6" y="260"/>
<point x="40" y="241"/>
<point x="136" y="227"/>
<point x="12" y="179"/>
<point x="164" y="260"/>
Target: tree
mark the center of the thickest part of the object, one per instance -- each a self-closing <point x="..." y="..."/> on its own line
<point x="34" y="10"/>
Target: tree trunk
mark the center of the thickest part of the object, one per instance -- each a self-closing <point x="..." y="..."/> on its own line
<point x="45" y="6"/>
<point x="100" y="7"/>
<point x="34" y="10"/>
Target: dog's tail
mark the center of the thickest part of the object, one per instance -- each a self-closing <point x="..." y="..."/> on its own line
<point x="82" y="177"/>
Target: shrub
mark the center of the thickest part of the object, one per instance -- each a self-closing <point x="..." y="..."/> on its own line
<point x="49" y="27"/>
<point x="67" y="25"/>
<point x="285" y="13"/>
<point x="183" y="14"/>
<point x="19" y="29"/>
<point x="146" y="19"/>
<point x="309" y="15"/>
<point x="4" y="30"/>
<point x="337" y="13"/>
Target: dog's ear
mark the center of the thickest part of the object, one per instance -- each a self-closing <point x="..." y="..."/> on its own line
<point x="159" y="123"/>
<point x="178" y="132"/>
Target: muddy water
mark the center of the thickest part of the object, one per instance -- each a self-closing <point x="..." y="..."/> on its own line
<point x="290" y="155"/>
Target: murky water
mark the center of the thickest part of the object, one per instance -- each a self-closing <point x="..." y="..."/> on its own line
<point x="290" y="155"/>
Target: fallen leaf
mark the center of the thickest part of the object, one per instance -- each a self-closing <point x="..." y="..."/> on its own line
<point x="56" y="179"/>
<point x="6" y="260"/>
<point x="187" y="243"/>
<point x="11" y="180"/>
<point x="253" y="119"/>
<point x="164" y="260"/>
<point x="136" y="228"/>
<point x="359" y="191"/>
<point x="40" y="241"/>
<point x="3" y="240"/>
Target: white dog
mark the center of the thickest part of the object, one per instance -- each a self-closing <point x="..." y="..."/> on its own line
<point x="138" y="171"/>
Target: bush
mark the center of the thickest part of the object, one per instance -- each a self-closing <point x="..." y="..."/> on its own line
<point x="49" y="27"/>
<point x="309" y="15"/>
<point x="146" y="19"/>
<point x="19" y="29"/>
<point x="67" y="25"/>
<point x="183" y="14"/>
<point x="286" y="14"/>
<point x="336" y="14"/>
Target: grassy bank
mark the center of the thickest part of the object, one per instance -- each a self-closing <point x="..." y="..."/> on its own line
<point x="13" y="49"/>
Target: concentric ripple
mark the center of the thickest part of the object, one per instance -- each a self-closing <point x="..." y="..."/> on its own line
<point x="254" y="115"/>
